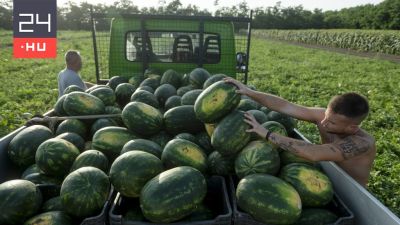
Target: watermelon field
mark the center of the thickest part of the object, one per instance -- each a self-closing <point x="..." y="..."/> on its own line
<point x="304" y="76"/>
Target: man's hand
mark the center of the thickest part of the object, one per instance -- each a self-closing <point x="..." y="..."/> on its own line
<point x="256" y="127"/>
<point x="242" y="89"/>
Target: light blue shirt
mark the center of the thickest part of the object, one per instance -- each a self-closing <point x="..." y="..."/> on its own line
<point x="66" y="78"/>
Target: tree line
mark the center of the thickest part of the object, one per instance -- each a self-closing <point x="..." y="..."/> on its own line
<point x="386" y="15"/>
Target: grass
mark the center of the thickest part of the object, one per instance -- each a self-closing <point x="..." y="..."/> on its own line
<point x="304" y="76"/>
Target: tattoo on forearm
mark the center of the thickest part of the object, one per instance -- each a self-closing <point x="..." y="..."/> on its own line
<point x="350" y="148"/>
<point x="291" y="146"/>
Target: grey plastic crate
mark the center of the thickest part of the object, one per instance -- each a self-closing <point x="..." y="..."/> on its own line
<point x="217" y="192"/>
<point x="346" y="217"/>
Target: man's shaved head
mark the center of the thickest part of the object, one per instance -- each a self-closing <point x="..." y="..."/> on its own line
<point x="73" y="60"/>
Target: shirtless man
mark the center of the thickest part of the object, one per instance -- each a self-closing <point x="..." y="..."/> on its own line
<point x="343" y="141"/>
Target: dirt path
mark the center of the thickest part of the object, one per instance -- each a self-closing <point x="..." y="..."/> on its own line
<point x="372" y="55"/>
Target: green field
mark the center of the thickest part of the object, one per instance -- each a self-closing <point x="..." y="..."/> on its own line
<point x="305" y="76"/>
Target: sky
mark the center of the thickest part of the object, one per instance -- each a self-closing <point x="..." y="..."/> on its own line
<point x="209" y="4"/>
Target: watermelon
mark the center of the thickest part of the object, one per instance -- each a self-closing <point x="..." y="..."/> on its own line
<point x="198" y="76"/>
<point x="143" y="145"/>
<point x="230" y="136"/>
<point x="185" y="80"/>
<point x="161" y="138"/>
<point x="50" y="218"/>
<point x="58" y="107"/>
<point x="182" y="119"/>
<point x="72" y="126"/>
<point x="172" y="102"/>
<point x="55" y="156"/>
<point x="114" y="110"/>
<point x="201" y="213"/>
<point x="171" y="77"/>
<point x="257" y="157"/>
<point x="74" y="139"/>
<point x="153" y="83"/>
<point x="101" y="123"/>
<point x="247" y="104"/>
<point x="180" y="152"/>
<point x="95" y="87"/>
<point x="40" y="178"/>
<point x="274" y="127"/>
<point x="259" y="116"/>
<point x="189" y="98"/>
<point x="163" y="92"/>
<point x="213" y="79"/>
<point x="123" y="93"/>
<point x="22" y="147"/>
<point x="265" y="110"/>
<point x="188" y="137"/>
<point x="135" y="80"/>
<point x="105" y="94"/>
<point x="216" y="101"/>
<point x="53" y="204"/>
<point x="288" y="122"/>
<point x="173" y="194"/>
<point x="110" y="140"/>
<point x="183" y="90"/>
<point x="204" y="142"/>
<point x="315" y="216"/>
<point x="313" y="186"/>
<point x="116" y="80"/>
<point x="145" y="97"/>
<point x="288" y="158"/>
<point x="84" y="192"/>
<point x="72" y="88"/>
<point x="81" y="103"/>
<point x="142" y="118"/>
<point x="220" y="165"/>
<point x="133" y="213"/>
<point x="131" y="170"/>
<point x="151" y="71"/>
<point x="31" y="169"/>
<point x="19" y="200"/>
<point x="210" y="127"/>
<point x="92" y="158"/>
<point x="268" y="199"/>
<point x="145" y="88"/>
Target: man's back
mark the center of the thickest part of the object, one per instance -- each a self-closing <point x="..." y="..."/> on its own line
<point x="66" y="78"/>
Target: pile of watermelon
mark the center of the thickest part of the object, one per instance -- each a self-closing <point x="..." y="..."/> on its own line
<point x="174" y="131"/>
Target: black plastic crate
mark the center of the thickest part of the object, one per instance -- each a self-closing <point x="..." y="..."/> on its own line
<point x="337" y="206"/>
<point x="217" y="193"/>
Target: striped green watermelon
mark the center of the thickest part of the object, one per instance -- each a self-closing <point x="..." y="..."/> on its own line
<point x="135" y="80"/>
<point x="275" y="127"/>
<point x="171" y="77"/>
<point x="288" y="158"/>
<point x="189" y="98"/>
<point x="110" y="140"/>
<point x="257" y="157"/>
<point x="188" y="137"/>
<point x="72" y="88"/>
<point x="31" y="169"/>
<point x="101" y="123"/>
<point x="259" y="116"/>
<point x="153" y="83"/>
<point x="72" y="126"/>
<point x="131" y="170"/>
<point x="92" y="158"/>
<point x="185" y="80"/>
<point x="314" y="216"/>
<point x="161" y="138"/>
<point x="213" y="79"/>
<point x="123" y="93"/>
<point x="114" y="110"/>
<point x="179" y="152"/>
<point x="198" y="76"/>
<point x="182" y="119"/>
<point x="58" y="107"/>
<point x="40" y="178"/>
<point x="247" y="104"/>
<point x="142" y="119"/>
<point x="22" y="147"/>
<point x="183" y="90"/>
<point x="313" y="186"/>
<point x="50" y="218"/>
<point x="84" y="192"/>
<point x="19" y="200"/>
<point x="216" y="102"/>
<point x="105" y="94"/>
<point x="55" y="157"/>
<point x="81" y="103"/>
<point x="145" y="97"/>
<point x="74" y="138"/>
<point x="265" y="110"/>
<point x="210" y="127"/>
<point x="172" y="102"/>
<point x="163" y="92"/>
<point x="143" y="145"/>
<point x="116" y="80"/>
<point x="204" y="142"/>
<point x="53" y="204"/>
<point x="220" y="165"/>
<point x="230" y="136"/>
<point x="268" y="199"/>
<point x="95" y="87"/>
<point x="145" y="88"/>
<point x="201" y="213"/>
<point x="173" y="194"/>
<point x="151" y="71"/>
<point x="288" y="122"/>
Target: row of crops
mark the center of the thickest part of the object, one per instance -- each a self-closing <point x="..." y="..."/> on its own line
<point x="387" y="42"/>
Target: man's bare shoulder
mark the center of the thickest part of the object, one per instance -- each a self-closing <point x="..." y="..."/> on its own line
<point x="355" y="145"/>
